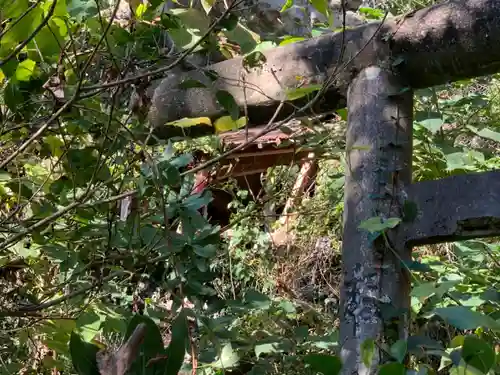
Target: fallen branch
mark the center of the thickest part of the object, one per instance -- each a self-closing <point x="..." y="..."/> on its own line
<point x="118" y="363"/>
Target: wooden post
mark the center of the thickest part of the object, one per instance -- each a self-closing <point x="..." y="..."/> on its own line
<point x="304" y="179"/>
<point x="375" y="290"/>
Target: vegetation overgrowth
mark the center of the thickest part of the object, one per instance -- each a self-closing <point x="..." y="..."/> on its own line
<point x="78" y="272"/>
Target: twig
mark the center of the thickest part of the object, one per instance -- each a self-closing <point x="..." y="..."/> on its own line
<point x="165" y="68"/>
<point x="68" y="103"/>
<point x="31" y="36"/>
<point x="18" y="19"/>
<point x="27" y="310"/>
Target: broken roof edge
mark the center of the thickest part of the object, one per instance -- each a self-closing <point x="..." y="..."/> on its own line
<point x="290" y="131"/>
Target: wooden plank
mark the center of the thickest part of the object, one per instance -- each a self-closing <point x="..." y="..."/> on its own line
<point x="380" y="124"/>
<point x="241" y="166"/>
<point x="439" y="44"/>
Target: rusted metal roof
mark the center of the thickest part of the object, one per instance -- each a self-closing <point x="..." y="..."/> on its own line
<point x="268" y="150"/>
<point x="274" y="137"/>
<point x="290" y="131"/>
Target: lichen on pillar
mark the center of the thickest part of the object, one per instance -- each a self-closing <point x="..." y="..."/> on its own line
<point x="375" y="291"/>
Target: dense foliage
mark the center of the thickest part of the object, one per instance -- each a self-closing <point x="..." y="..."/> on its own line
<point x="77" y="275"/>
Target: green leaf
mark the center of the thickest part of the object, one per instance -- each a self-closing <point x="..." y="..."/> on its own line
<point x="464" y="318"/>
<point x="60" y="9"/>
<point x="226" y="123"/>
<point x="207" y="5"/>
<point x="82" y="9"/>
<point x="227" y="101"/>
<point x="292" y="39"/>
<point x="288" y="4"/>
<point x="268" y="348"/>
<point x="151" y="346"/>
<point x="24" y="25"/>
<point x="49" y="39"/>
<point x="432" y="121"/>
<point x="83" y="356"/>
<point x="488" y="134"/>
<point x="478" y="353"/>
<point x="463" y="369"/>
<point x="398" y="350"/>
<point x="88" y="325"/>
<point x="323" y="363"/>
<point x="228" y="358"/>
<point x="230" y="22"/>
<point x="377" y="224"/>
<point x="433" y="125"/>
<point x="156" y="3"/>
<point x="417" y="266"/>
<point x="25" y="70"/>
<point x="191" y="83"/>
<point x="318" y="31"/>
<point x="425" y="290"/>
<point x="25" y="250"/>
<point x="177" y="347"/>
<point x="294" y="94"/>
<point x="367" y="352"/>
<point x="257" y="300"/>
<point x="417" y="344"/>
<point x="196" y="201"/>
<point x="172" y="176"/>
<point x="327" y="342"/>
<point x="194" y="24"/>
<point x="55" y="145"/>
<point x="372" y="13"/>
<point x="464" y="160"/>
<point x="342" y="113"/>
<point x="393" y="369"/>
<point x="13" y="96"/>
<point x="189" y="122"/>
<point x="4" y="176"/>
<point x="208" y="251"/>
<point x="246" y="38"/>
<point x="410" y="211"/>
<point x="321" y="6"/>
<point x="181" y="161"/>
<point x="456" y="356"/>
<point x="288" y="307"/>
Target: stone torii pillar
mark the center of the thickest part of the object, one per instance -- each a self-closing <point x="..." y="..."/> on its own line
<point x="378" y="172"/>
<point x="375" y="302"/>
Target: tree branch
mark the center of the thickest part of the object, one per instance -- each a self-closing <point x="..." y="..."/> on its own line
<point x="31" y="36"/>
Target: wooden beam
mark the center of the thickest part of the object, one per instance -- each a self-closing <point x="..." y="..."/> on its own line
<point x="439" y="44"/>
<point x="303" y="180"/>
<point x="240" y="166"/>
<point x="275" y="137"/>
<point x="284" y="234"/>
<point x="261" y="153"/>
<point x="379" y="149"/>
<point x="453" y="209"/>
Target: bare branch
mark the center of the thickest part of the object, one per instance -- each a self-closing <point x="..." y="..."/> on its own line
<point x="119" y="363"/>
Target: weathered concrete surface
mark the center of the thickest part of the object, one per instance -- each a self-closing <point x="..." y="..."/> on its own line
<point x="378" y="173"/>
<point x="442" y="43"/>
<point x="454" y="208"/>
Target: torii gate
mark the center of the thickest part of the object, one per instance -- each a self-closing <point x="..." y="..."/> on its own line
<point x="376" y="67"/>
